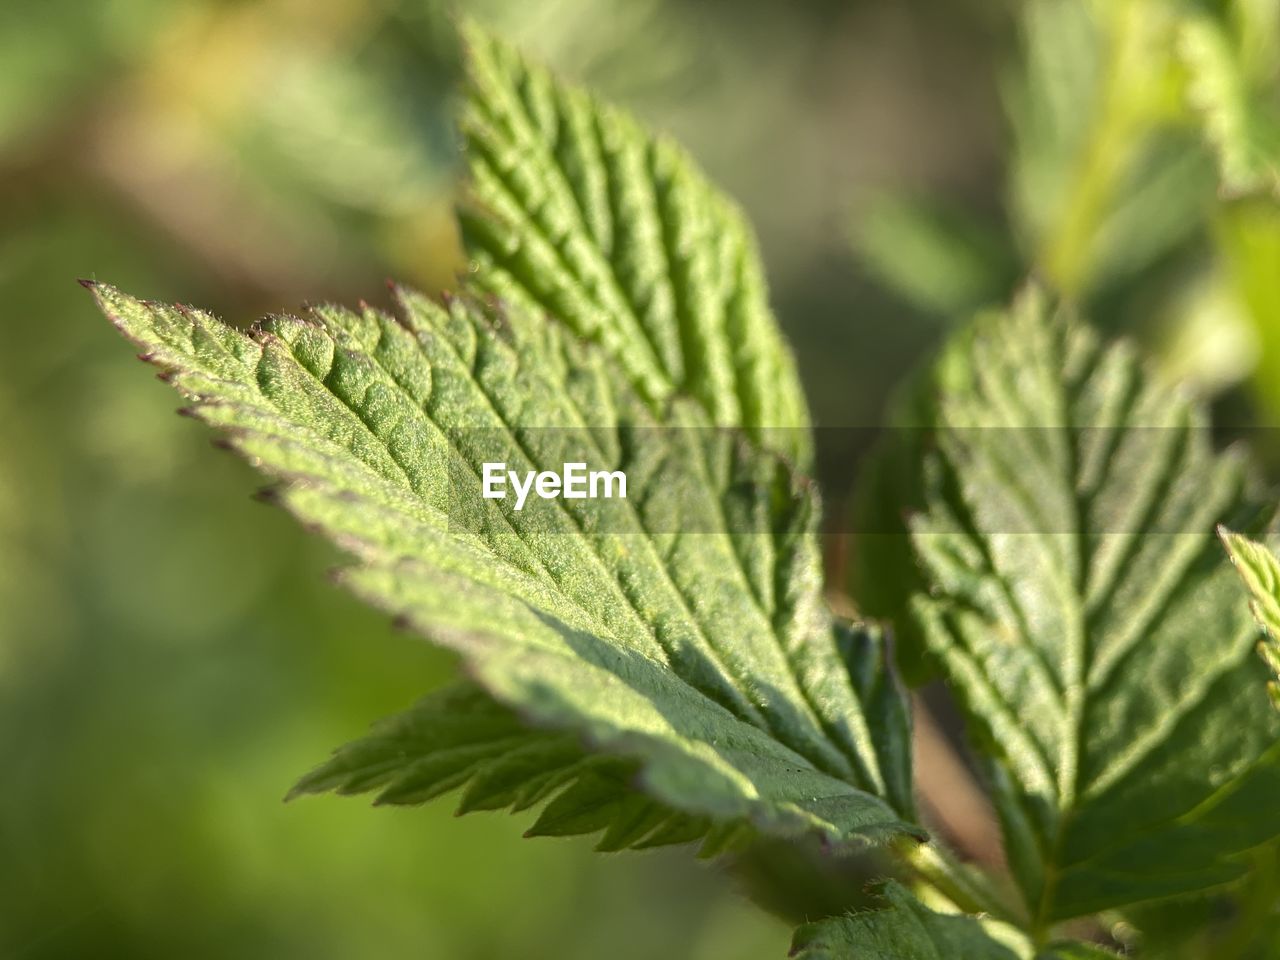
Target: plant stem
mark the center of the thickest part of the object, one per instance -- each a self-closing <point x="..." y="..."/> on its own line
<point x="968" y="890"/>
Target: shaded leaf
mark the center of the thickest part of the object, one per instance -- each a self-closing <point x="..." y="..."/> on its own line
<point x="1079" y="607"/>
<point x="459" y="738"/>
<point x="908" y="930"/>
<point x="1239" y="110"/>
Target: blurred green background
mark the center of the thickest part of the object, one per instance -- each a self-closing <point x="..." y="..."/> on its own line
<point x="171" y="655"/>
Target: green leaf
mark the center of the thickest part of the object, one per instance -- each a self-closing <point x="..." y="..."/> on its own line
<point x="459" y="738"/>
<point x="681" y="628"/>
<point x="1239" y="110"/>
<point x="939" y="259"/>
<point x="1249" y="238"/>
<point x="1260" y="570"/>
<point x="1104" y="179"/>
<point x="453" y="737"/>
<point x="908" y="930"/>
<point x="576" y="212"/>
<point x="1241" y="921"/>
<point x="1080" y="609"/>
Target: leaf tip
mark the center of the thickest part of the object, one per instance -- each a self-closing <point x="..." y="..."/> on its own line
<point x="1234" y="543"/>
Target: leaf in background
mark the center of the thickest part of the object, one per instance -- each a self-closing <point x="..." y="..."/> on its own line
<point x="633" y="48"/>
<point x="1249" y="234"/>
<point x="1080" y="609"/>
<point x="1209" y="343"/>
<point x="1260" y="571"/>
<point x="1103" y="181"/>
<point x="56" y="50"/>
<point x="1160" y="203"/>
<point x="1238" y="97"/>
<point x="682" y="627"/>
<point x="940" y="260"/>
<point x="1050" y="102"/>
<point x="1240" y="921"/>
<point x="908" y="930"/>
<point x="577" y="213"/>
